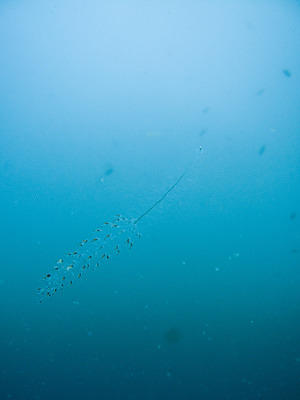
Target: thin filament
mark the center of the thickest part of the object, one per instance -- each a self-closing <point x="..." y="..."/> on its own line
<point x="161" y="199"/>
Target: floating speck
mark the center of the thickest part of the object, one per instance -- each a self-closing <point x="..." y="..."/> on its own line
<point x="260" y="92"/>
<point x="287" y="73"/>
<point x="293" y="215"/>
<point x="108" y="171"/>
<point x="172" y="335"/>
<point x="262" y="150"/>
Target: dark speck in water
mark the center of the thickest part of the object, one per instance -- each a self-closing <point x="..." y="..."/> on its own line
<point x="287" y="73"/>
<point x="293" y="215"/>
<point x="262" y="150"/>
<point x="173" y="335"/>
<point x="260" y="92"/>
<point x="108" y="171"/>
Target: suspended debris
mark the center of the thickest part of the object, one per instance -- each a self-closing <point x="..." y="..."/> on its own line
<point x="173" y="335"/>
<point x="262" y="150"/>
<point x="293" y="216"/>
<point x="260" y="92"/>
<point x="287" y="73"/>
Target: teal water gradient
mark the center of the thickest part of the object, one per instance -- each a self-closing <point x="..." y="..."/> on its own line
<point x="102" y="107"/>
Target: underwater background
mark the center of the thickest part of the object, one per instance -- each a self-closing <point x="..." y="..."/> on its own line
<point x="103" y="105"/>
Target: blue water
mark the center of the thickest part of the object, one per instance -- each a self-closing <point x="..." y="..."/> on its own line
<point x="103" y="105"/>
